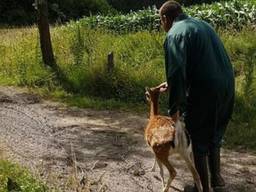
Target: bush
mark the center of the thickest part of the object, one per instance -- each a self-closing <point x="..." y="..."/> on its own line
<point x="18" y="178"/>
<point x="22" y="12"/>
<point x="74" y="9"/>
<point x="16" y="12"/>
<point x="233" y="14"/>
<point x="143" y="20"/>
<point x="127" y="6"/>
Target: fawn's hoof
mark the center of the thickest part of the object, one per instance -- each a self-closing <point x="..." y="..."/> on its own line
<point x="152" y="169"/>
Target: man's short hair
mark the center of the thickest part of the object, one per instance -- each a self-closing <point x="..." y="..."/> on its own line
<point x="171" y="9"/>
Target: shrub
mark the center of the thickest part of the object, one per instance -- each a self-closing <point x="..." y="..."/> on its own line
<point x="232" y="14"/>
<point x="22" y="12"/>
<point x="20" y="179"/>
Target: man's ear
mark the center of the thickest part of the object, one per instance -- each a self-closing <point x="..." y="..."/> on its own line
<point x="164" y="19"/>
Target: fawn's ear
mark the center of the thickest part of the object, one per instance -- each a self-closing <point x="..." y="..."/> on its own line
<point x="147" y="90"/>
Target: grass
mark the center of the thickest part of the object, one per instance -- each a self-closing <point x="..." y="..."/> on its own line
<point x="242" y="50"/>
<point x="84" y="101"/>
<point x="81" y="55"/>
<point x="16" y="178"/>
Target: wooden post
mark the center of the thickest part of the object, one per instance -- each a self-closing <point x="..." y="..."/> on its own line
<point x="110" y="63"/>
<point x="44" y="32"/>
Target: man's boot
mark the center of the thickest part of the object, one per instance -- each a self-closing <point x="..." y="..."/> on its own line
<point x="217" y="182"/>
<point x="202" y="169"/>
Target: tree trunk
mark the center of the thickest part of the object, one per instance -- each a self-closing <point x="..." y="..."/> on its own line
<point x="44" y="32"/>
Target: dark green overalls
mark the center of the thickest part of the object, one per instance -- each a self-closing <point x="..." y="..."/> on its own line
<point x="201" y="81"/>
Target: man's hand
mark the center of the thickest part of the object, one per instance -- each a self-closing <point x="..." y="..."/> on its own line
<point x="163" y="87"/>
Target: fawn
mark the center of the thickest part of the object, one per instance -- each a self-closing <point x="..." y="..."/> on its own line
<point x="166" y="136"/>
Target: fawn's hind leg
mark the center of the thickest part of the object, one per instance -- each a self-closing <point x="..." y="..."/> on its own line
<point x="161" y="169"/>
<point x="172" y="173"/>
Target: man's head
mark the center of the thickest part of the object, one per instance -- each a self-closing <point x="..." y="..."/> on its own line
<point x="168" y="12"/>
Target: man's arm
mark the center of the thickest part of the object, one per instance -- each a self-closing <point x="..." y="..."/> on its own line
<point x="176" y="59"/>
<point x="163" y="87"/>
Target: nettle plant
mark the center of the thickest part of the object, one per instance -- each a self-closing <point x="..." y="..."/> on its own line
<point x="232" y="14"/>
<point x="142" y="20"/>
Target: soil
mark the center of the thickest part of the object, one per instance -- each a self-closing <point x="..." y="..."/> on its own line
<point x="76" y="149"/>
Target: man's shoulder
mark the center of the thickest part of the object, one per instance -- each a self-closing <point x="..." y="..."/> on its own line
<point x="189" y="27"/>
<point x="180" y="28"/>
<point x="189" y="21"/>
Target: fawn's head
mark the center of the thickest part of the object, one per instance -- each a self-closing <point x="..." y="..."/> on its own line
<point x="152" y="94"/>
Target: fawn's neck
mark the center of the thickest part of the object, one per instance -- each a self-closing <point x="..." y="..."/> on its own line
<point x="153" y="108"/>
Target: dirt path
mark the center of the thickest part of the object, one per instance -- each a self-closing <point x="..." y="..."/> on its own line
<point x="104" y="150"/>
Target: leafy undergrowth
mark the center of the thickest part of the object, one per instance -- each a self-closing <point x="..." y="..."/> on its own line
<point x="233" y="14"/>
<point x="15" y="178"/>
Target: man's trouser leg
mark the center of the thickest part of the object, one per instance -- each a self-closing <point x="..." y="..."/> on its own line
<point x="202" y="169"/>
<point x="205" y="116"/>
<point x="214" y="166"/>
<point x="217" y="181"/>
<point x="224" y="111"/>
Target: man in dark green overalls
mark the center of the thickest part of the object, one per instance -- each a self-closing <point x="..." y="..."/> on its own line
<point x="200" y="81"/>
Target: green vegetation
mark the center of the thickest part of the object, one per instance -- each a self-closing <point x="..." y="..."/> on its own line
<point x="14" y="178"/>
<point x="81" y="55"/>
<point x="242" y="49"/>
<point x="16" y="12"/>
<point x="81" y="50"/>
<point x="126" y="6"/>
<point x="22" y="12"/>
<point x="232" y="14"/>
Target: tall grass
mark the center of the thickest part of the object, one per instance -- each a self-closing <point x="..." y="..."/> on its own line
<point x="242" y="49"/>
<point x="82" y="55"/>
<point x="20" y="58"/>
